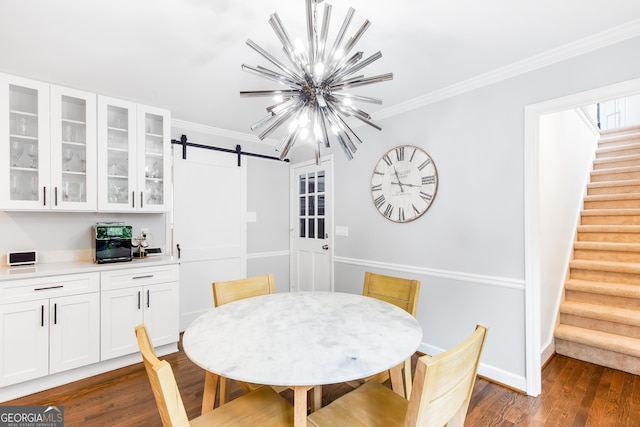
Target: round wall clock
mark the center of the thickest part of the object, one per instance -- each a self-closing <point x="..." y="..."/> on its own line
<point x="404" y="183"/>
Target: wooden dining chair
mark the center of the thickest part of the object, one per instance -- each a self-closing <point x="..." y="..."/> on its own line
<point x="233" y="290"/>
<point x="261" y="407"/>
<point x="404" y="294"/>
<point x="442" y="388"/>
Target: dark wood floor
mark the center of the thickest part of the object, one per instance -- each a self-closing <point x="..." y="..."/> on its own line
<point x="574" y="393"/>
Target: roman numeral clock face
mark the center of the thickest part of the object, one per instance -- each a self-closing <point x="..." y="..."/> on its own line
<point x="404" y="183"/>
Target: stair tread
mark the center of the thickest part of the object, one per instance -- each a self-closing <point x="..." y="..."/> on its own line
<point x="603" y="340"/>
<point x="615" y="196"/>
<point x="610" y="212"/>
<point x="604" y="288"/>
<point x="599" y="228"/>
<point x="615" y="159"/>
<point x="614" y="148"/>
<point x="623" y="130"/>
<point x="615" y="183"/>
<point x="608" y="246"/>
<point x="622" y="267"/>
<point x="617" y="169"/>
<point x="601" y="312"/>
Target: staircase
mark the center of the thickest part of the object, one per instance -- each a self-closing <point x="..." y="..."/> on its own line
<point x="600" y="316"/>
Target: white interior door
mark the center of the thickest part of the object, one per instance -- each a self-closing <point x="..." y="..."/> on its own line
<point x="209" y="225"/>
<point x="311" y="228"/>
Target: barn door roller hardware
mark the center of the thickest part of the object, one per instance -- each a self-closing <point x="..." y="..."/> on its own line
<point x="185" y="143"/>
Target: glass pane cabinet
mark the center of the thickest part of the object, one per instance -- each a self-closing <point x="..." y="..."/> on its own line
<point x="73" y="149"/>
<point x="133" y="157"/>
<point x="24" y="144"/>
<point x="116" y="155"/>
<point x="154" y="168"/>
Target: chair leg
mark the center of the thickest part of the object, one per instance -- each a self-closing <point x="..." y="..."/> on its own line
<point x="407" y="378"/>
<point x="396" y="379"/>
<point x="210" y="389"/>
<point x="225" y="386"/>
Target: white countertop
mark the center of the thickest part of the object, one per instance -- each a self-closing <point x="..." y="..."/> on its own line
<point x="73" y="267"/>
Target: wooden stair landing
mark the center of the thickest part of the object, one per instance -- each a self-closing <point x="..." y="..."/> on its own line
<point x="600" y="316"/>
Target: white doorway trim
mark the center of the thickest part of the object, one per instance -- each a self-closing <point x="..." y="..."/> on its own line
<point x="532" y="115"/>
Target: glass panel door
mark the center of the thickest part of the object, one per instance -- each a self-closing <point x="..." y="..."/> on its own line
<point x="154" y="168"/>
<point x="24" y="144"/>
<point x="23" y="136"/>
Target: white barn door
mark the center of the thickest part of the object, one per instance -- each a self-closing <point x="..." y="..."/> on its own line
<point x="209" y="225"/>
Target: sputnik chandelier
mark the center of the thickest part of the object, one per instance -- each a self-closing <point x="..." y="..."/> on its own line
<point x="315" y="105"/>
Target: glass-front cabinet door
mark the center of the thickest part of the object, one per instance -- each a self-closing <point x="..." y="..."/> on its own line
<point x="154" y="169"/>
<point x="24" y="144"/>
<point x="73" y="149"/>
<point x="117" y="155"/>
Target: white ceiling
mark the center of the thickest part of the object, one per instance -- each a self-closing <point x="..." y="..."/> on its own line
<point x="185" y="55"/>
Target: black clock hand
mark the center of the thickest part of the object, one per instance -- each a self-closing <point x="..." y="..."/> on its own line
<point x="399" y="182"/>
<point x="406" y="185"/>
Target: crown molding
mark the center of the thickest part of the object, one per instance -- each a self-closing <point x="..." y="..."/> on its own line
<point x="561" y="53"/>
<point x="225" y="133"/>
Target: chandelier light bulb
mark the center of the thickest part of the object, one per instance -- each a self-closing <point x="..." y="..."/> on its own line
<point x="317" y="77"/>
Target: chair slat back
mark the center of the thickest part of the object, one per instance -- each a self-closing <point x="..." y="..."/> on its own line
<point x="163" y="383"/>
<point x="170" y="404"/>
<point x="395" y="290"/>
<point x="443" y="384"/>
<point x="225" y="292"/>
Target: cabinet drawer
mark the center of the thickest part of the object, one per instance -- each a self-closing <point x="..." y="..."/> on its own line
<point x="48" y="287"/>
<point x="125" y="278"/>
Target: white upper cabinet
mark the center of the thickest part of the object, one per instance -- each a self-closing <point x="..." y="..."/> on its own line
<point x="154" y="151"/>
<point x="73" y="149"/>
<point x="133" y="157"/>
<point x="116" y="155"/>
<point x="48" y="147"/>
<point x="24" y="144"/>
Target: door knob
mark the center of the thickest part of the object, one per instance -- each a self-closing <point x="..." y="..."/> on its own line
<point x="325" y="247"/>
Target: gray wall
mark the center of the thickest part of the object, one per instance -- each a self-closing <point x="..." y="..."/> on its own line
<point x="469" y="248"/>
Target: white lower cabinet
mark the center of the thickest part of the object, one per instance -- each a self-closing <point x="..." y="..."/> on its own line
<point x="48" y="325"/>
<point x="133" y="296"/>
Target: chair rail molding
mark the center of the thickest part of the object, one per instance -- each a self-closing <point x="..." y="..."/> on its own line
<point x="502" y="282"/>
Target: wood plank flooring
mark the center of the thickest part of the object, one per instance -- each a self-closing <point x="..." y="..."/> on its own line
<point x="574" y="394"/>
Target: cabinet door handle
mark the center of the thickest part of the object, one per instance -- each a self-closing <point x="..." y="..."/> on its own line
<point x="44" y="196"/>
<point x="42" y="316"/>
<point x="55" y="314"/>
<point x="148" y="299"/>
<point x="143" y="277"/>
<point x="141" y="200"/>
<point x="133" y="199"/>
<point x="55" y="193"/>
<point x="49" y="287"/>
<point x="178" y="248"/>
<point x="138" y="300"/>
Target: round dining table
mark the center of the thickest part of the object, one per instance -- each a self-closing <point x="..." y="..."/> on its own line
<point x="301" y="340"/>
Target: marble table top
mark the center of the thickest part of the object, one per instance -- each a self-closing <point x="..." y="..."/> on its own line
<point x="302" y="338"/>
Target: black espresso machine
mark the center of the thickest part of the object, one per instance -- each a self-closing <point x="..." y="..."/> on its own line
<point x="112" y="242"/>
